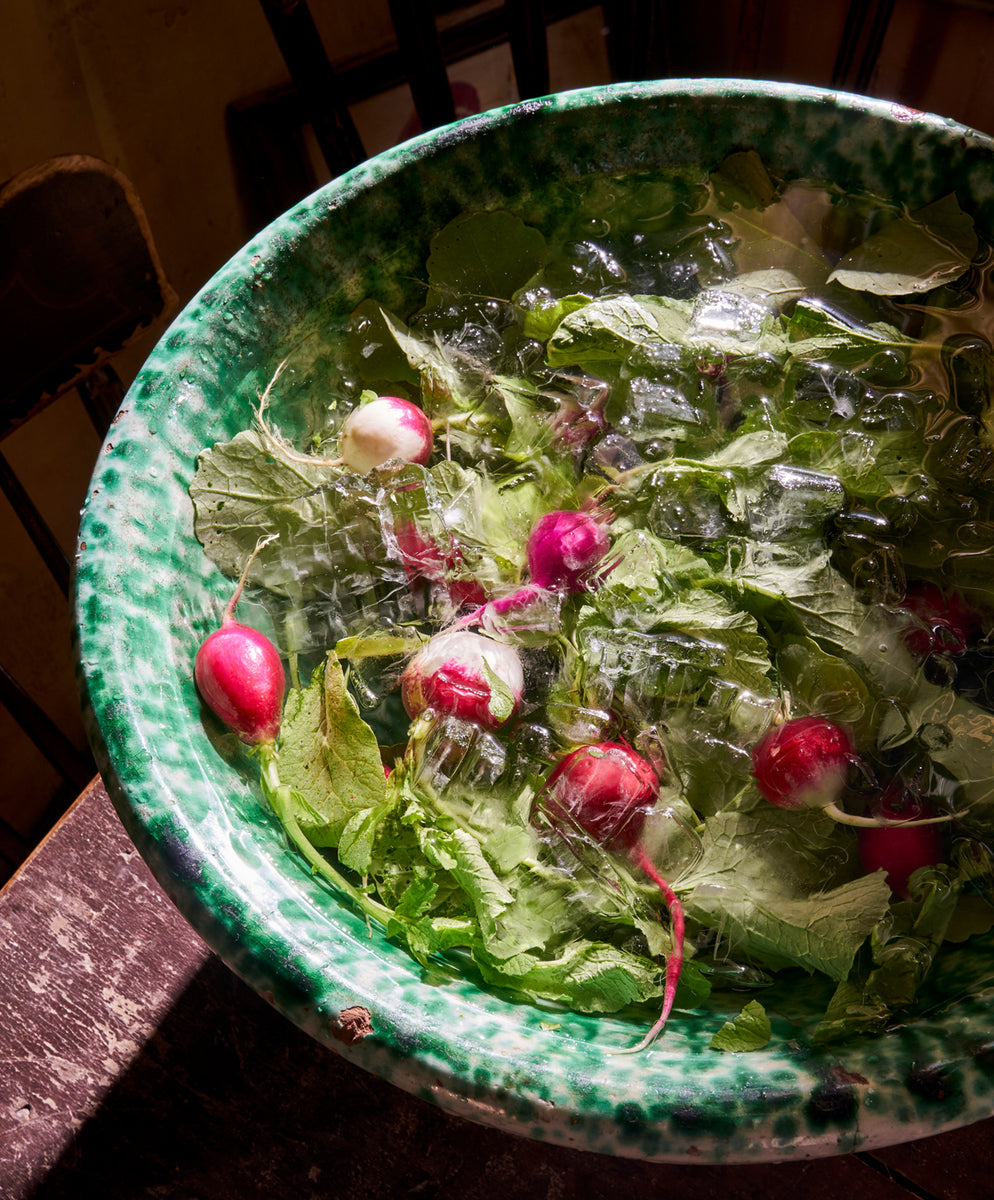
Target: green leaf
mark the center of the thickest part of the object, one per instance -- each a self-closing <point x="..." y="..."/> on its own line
<point x="609" y="330"/>
<point x="446" y="382"/>
<point x="376" y="349"/>
<point x="826" y="684"/>
<point x="531" y="432"/>
<point x="588" y="976"/>
<point x="785" y="235"/>
<point x="742" y="179"/>
<point x="903" y="947"/>
<point x="484" y="254"/>
<point x="328" y="756"/>
<point x="797" y="586"/>
<point x="251" y="488"/>
<point x="819" y="333"/>
<point x="750" y="1030"/>
<point x="914" y="253"/>
<point x="355" y="845"/>
<point x="775" y="882"/>
<point x="501" y="703"/>
<point x="376" y="645"/>
<point x="542" y="318"/>
<point x="460" y="853"/>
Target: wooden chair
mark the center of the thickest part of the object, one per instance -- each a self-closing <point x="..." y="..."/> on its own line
<point x="275" y="172"/>
<point x="644" y="39"/>
<point x="79" y="279"/>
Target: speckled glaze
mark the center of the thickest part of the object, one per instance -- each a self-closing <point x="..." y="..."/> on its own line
<point x="146" y="596"/>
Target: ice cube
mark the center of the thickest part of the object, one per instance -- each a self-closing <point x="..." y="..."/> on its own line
<point x="456" y="754"/>
<point x="795" y="502"/>
<point x="613" y="455"/>
<point x="727" y="319"/>
<point x="660" y="409"/>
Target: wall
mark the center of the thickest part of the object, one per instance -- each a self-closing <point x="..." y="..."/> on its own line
<point x="145" y="84"/>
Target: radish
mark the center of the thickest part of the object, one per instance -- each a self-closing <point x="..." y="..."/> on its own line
<point x="466" y="675"/>
<point x="386" y="428"/>
<point x="564" y="550"/>
<point x="424" y="559"/>
<point x="577" y="425"/>
<point x="945" y="622"/>
<point x="901" y="849"/>
<point x="804" y="763"/>
<point x="379" y="430"/>
<point x="239" y="673"/>
<point x="606" y="790"/>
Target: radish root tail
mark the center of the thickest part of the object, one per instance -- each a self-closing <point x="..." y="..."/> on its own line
<point x="674" y="963"/>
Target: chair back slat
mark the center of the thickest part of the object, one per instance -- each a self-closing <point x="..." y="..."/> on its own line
<point x="79" y="280"/>
<point x="529" y="43"/>
<point x="311" y="70"/>
<point x="421" y="53"/>
<point x="35" y="526"/>
<point x="863" y="36"/>
<point x="75" y="767"/>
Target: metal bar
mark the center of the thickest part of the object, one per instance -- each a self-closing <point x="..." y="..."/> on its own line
<point x="35" y="525"/>
<point x="424" y="65"/>
<point x="526" y="30"/>
<point x="74" y="767"/>
<point x="312" y="72"/>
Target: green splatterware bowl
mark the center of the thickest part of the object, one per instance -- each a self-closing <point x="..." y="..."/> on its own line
<point x="147" y="595"/>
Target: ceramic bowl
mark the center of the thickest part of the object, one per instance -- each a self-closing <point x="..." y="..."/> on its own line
<point x="146" y="596"/>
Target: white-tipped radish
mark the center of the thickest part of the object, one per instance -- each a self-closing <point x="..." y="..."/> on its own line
<point x="466" y="675"/>
<point x="606" y="790"/>
<point x="239" y="673"/>
<point x="385" y="429"/>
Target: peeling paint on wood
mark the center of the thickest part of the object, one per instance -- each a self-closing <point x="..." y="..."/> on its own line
<point x="134" y="1064"/>
<point x="82" y="927"/>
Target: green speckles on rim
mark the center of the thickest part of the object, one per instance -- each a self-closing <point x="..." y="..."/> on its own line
<point x="146" y="595"/>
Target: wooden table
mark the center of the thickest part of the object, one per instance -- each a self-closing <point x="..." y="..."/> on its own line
<point x="134" y="1064"/>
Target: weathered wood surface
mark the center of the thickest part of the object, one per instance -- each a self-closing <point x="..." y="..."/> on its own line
<point x="134" y="1064"/>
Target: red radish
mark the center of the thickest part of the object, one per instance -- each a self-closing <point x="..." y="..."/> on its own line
<point x="455" y="674"/>
<point x="239" y="673"/>
<point x="240" y="676"/>
<point x="384" y="429"/>
<point x="945" y="622"/>
<point x="576" y="425"/>
<point x="901" y="849"/>
<point x="564" y="550"/>
<point x="606" y="790"/>
<point x="424" y="559"/>
<point x="804" y="763"/>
